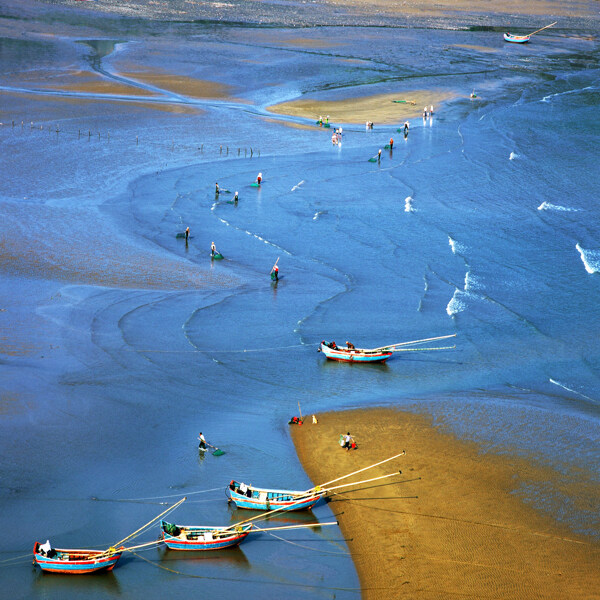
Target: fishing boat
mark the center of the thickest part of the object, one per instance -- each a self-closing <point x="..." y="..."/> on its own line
<point x="517" y="39"/>
<point x="351" y="354"/>
<point x="346" y="354"/>
<point x="523" y="39"/>
<point x="75" y="562"/>
<point x="202" y="537"/>
<point x="247" y="496"/>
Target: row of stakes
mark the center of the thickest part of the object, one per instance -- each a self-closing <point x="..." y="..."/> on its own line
<point x="137" y="141"/>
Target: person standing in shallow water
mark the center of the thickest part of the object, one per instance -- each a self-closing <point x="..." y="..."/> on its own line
<point x="217" y="189"/>
<point x="213" y="249"/>
<point x="202" y="444"/>
<point x="235" y="198"/>
<point x="187" y="234"/>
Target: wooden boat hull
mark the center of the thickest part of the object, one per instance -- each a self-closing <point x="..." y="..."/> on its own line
<point x="516" y="39"/>
<point x="202" y="537"/>
<point x="263" y="499"/>
<point x="344" y="354"/>
<point x="76" y="562"/>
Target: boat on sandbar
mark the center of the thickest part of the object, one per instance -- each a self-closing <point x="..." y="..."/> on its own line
<point x="202" y="537"/>
<point x="74" y="562"/>
<point x="248" y="496"/>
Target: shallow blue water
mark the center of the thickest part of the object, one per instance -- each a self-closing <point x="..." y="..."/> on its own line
<point x="483" y="223"/>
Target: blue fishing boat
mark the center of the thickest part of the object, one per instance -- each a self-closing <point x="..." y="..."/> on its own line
<point x="523" y="39"/>
<point x="202" y="537"/>
<point x="516" y="39"/>
<point x="347" y="354"/>
<point x="247" y="496"/>
<point x="75" y="562"/>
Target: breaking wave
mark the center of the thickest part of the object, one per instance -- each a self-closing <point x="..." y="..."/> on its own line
<point x="590" y="259"/>
<point x="549" y="206"/>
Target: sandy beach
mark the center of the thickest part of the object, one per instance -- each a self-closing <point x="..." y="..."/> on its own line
<point x="379" y="108"/>
<point x="453" y="524"/>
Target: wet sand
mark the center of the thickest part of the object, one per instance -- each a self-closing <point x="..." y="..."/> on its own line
<point x="448" y="7"/>
<point x="453" y="525"/>
<point x="75" y="246"/>
<point x="378" y="108"/>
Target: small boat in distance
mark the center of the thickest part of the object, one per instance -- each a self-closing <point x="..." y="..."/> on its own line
<point x="247" y="496"/>
<point x="346" y="354"/>
<point x="523" y="39"/>
<point x="75" y="562"/>
<point x="202" y="537"/>
<point x="517" y="39"/>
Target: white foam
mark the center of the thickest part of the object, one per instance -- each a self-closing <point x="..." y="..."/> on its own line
<point x="513" y="155"/>
<point x="456" y="247"/>
<point x="548" y="98"/>
<point x="590" y="259"/>
<point x="471" y="282"/>
<point x="549" y="206"/>
<point x="564" y="387"/>
<point x="456" y="304"/>
<point x="408" y="204"/>
<point x="317" y="215"/>
<point x="297" y="186"/>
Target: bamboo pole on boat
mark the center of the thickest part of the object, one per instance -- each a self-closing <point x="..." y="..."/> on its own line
<point x="265" y="514"/>
<point x="150" y="522"/>
<point x="425" y="349"/>
<point x="322" y="485"/>
<point x="337" y="487"/>
<point x="441" y="337"/>
<point x="538" y="30"/>
<point x="315" y="490"/>
<point x="293" y="526"/>
<point x="146" y="545"/>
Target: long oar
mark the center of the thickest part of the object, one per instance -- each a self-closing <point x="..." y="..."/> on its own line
<point x="424" y="349"/>
<point x="439" y="337"/>
<point x="359" y="471"/>
<point x="146" y="545"/>
<point x="337" y="487"/>
<point x="150" y="522"/>
<point x="542" y="29"/>
<point x="260" y="529"/>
